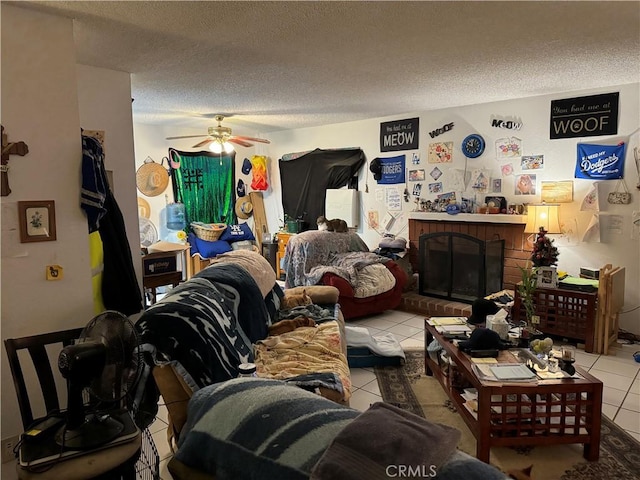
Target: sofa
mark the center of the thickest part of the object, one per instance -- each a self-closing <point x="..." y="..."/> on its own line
<point x="262" y="429"/>
<point x="367" y="283"/>
<point x="203" y="329"/>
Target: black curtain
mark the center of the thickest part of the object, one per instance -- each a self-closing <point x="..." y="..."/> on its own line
<point x="305" y="180"/>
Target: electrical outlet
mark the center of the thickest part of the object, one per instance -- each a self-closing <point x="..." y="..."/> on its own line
<point x="8" y="444"/>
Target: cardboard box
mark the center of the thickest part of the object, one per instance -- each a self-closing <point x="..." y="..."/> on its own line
<point x="158" y="263"/>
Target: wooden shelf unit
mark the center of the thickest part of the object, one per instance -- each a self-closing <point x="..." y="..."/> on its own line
<point x="565" y="313"/>
<point x="283" y="239"/>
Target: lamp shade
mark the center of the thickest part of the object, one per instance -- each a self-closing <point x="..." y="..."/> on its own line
<point x="545" y="216"/>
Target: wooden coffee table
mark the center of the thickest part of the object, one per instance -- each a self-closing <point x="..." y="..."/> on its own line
<point x="511" y="414"/>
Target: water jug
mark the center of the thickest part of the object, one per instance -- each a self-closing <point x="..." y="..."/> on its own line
<point x="176" y="216"/>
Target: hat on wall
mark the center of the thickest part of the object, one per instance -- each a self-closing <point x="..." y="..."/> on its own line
<point x="376" y="168"/>
<point x="480" y="308"/>
<point x="246" y="166"/>
<point x="244" y="208"/>
<point x="152" y="178"/>
<point x="241" y="190"/>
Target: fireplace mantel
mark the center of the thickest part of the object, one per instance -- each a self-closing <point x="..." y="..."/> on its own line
<point x="469" y="217"/>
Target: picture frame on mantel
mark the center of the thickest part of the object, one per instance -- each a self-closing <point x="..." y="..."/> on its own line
<point x="547" y="277"/>
<point x="37" y="221"/>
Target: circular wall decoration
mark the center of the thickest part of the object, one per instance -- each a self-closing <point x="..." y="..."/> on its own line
<point x="473" y="146"/>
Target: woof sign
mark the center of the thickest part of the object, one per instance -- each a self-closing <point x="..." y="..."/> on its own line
<point x="399" y="135"/>
<point x="589" y="116"/>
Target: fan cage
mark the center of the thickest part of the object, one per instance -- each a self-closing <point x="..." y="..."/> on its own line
<point x="148" y="464"/>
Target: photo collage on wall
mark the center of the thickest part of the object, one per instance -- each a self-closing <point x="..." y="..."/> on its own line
<point x="448" y="171"/>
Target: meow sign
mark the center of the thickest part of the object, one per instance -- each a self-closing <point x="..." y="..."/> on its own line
<point x="399" y="135"/>
<point x="589" y="116"/>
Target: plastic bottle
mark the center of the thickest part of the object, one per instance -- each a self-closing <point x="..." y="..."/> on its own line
<point x="247" y="370"/>
<point x="176" y="216"/>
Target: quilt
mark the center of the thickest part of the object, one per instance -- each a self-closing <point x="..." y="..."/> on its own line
<point x="305" y="350"/>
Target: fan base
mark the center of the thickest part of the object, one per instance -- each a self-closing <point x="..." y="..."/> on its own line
<point x="96" y="430"/>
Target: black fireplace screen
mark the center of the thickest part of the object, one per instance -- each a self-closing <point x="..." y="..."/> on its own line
<point x="459" y="267"/>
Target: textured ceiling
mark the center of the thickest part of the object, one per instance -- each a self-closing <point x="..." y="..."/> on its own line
<point x="283" y="65"/>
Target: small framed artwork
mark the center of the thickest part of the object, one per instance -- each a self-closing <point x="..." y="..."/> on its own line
<point x="547" y="277"/>
<point x="37" y="221"/>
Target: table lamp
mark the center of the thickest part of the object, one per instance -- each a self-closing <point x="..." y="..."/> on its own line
<point x="543" y="215"/>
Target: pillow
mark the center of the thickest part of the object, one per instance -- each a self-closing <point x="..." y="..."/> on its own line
<point x="235" y="233"/>
<point x="259" y="429"/>
<point x="208" y="249"/>
<point x="320" y="294"/>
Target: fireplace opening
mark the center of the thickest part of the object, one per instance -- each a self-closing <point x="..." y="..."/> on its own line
<point x="459" y="267"/>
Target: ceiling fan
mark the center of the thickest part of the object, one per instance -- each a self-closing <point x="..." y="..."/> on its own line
<point x="220" y="138"/>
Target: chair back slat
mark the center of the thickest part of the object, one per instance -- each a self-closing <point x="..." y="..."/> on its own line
<point x="36" y="346"/>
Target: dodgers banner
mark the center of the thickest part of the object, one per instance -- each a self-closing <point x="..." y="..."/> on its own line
<point x="600" y="162"/>
<point x="392" y="170"/>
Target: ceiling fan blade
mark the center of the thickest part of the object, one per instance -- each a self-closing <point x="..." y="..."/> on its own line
<point x="185" y="136"/>
<point x="239" y="141"/>
<point x="203" y="143"/>
<point x="252" y="139"/>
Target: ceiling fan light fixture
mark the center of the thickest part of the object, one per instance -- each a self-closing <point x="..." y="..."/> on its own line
<point x="215" y="147"/>
<point x="228" y="148"/>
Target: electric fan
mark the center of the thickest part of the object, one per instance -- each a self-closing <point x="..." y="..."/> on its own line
<point x="105" y="363"/>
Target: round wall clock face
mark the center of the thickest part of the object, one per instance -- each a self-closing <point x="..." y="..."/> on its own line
<point x="473" y="146"/>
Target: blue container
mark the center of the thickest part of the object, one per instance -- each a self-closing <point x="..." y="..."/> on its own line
<point x="176" y="216"/>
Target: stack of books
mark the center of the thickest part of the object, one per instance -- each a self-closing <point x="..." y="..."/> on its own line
<point x="450" y="325"/>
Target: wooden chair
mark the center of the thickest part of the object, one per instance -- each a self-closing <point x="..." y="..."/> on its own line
<point x="36" y="346"/>
<point x="113" y="463"/>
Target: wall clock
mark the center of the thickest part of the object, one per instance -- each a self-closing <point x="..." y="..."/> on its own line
<point x="473" y="146"/>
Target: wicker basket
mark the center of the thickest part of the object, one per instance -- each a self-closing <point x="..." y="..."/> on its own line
<point x="209" y="232"/>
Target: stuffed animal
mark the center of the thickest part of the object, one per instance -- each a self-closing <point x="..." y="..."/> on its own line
<point x="335" y="225"/>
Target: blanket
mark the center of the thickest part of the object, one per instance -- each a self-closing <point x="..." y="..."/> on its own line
<point x="312" y="248"/>
<point x="316" y="312"/>
<point x="258" y="429"/>
<point x="345" y="265"/>
<point x="258" y="267"/>
<point x="303" y="351"/>
<point x="408" y="440"/>
<point x="248" y="304"/>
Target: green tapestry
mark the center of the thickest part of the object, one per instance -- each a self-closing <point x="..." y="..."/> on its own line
<point x="203" y="182"/>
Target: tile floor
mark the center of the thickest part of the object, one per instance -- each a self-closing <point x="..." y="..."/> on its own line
<point x="618" y="372"/>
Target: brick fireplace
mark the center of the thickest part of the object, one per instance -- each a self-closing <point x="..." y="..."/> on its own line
<point x="486" y="228"/>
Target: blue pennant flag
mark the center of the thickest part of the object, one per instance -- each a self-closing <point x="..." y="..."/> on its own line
<point x="600" y="162"/>
<point x="392" y="170"/>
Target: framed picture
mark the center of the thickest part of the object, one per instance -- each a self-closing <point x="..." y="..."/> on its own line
<point x="547" y="277"/>
<point x="37" y="221"/>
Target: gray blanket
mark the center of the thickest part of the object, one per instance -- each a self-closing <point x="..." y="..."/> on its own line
<point x="345" y="265"/>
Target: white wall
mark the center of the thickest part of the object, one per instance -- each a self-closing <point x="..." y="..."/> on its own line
<point x="105" y="104"/>
<point x="41" y="86"/>
<point x="559" y="157"/>
<point x="150" y="141"/>
<point x="40" y="107"/>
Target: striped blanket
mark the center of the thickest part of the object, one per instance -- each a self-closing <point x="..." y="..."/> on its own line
<point x="259" y="429"/>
